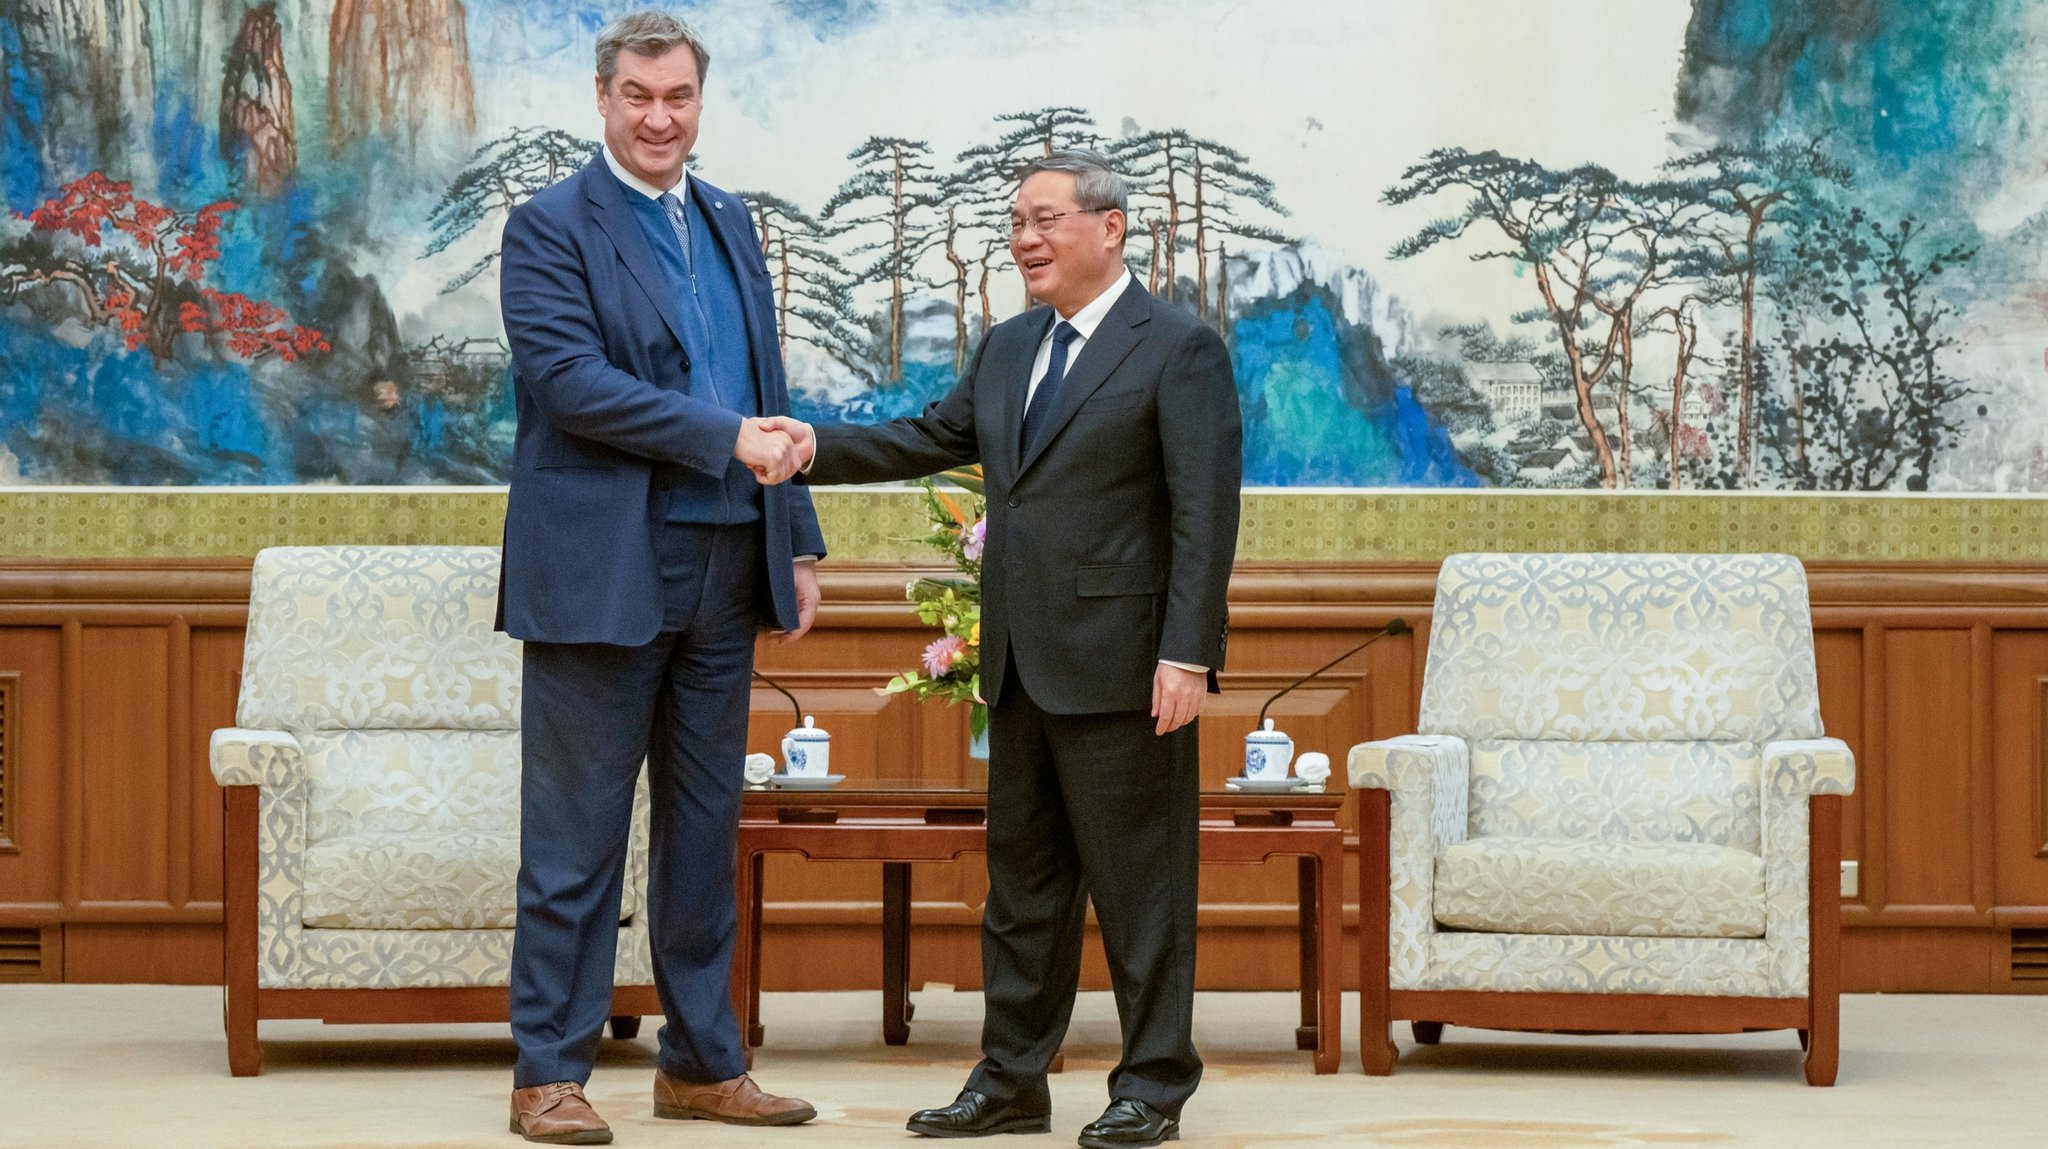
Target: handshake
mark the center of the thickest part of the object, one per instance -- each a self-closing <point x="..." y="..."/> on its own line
<point x="775" y="448"/>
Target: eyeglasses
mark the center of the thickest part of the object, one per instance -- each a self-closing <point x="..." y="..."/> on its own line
<point x="1043" y="224"/>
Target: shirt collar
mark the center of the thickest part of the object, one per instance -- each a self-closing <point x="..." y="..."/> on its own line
<point x="1086" y="320"/>
<point x="682" y="188"/>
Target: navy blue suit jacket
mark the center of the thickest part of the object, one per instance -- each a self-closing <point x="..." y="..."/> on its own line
<point x="602" y="385"/>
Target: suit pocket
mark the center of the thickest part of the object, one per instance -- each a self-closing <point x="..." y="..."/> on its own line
<point x="1114" y="401"/>
<point x="1120" y="579"/>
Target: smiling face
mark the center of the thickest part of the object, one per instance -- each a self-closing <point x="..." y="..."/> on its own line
<point x="1078" y="257"/>
<point x="650" y="113"/>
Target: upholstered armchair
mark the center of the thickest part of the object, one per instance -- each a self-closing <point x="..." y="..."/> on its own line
<point x="1619" y="815"/>
<point x="371" y="839"/>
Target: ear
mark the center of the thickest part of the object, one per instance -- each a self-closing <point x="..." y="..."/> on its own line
<point x="1117" y="226"/>
<point x="601" y="93"/>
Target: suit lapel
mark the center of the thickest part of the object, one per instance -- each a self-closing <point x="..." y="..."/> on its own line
<point x="1114" y="339"/>
<point x="615" y="216"/>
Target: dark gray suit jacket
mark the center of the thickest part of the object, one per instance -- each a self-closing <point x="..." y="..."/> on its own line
<point x="1109" y="544"/>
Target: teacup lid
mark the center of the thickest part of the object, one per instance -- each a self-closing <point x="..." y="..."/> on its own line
<point x="810" y="731"/>
<point x="1268" y="734"/>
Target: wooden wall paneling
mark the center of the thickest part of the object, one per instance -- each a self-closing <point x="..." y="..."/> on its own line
<point x="1983" y="827"/>
<point x="72" y="685"/>
<point x="1932" y="673"/>
<point x="2021" y="779"/>
<point x="126" y="765"/>
<point x="1918" y="960"/>
<point x="178" y="762"/>
<point x="31" y="865"/>
<point x="216" y="676"/>
<point x="1870" y="780"/>
<point x="1838" y="655"/>
<point x="9" y="679"/>
<point x="152" y="952"/>
<point x="1929" y="806"/>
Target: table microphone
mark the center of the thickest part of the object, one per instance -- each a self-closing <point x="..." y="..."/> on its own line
<point x="1394" y="626"/>
<point x="798" y="706"/>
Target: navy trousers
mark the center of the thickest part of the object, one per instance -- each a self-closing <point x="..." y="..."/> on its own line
<point x="590" y="713"/>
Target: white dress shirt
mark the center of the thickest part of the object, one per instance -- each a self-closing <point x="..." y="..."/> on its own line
<point x="1084" y="322"/>
<point x="681" y="190"/>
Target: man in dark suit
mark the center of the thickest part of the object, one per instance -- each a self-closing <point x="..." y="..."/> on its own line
<point x="645" y="546"/>
<point x="1107" y="427"/>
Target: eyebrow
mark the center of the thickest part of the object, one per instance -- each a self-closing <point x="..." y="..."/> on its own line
<point x="684" y="88"/>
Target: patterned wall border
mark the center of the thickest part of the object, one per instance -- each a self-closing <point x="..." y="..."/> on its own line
<point x="1337" y="526"/>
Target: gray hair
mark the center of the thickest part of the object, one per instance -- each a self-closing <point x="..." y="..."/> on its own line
<point x="647" y="33"/>
<point x="1097" y="187"/>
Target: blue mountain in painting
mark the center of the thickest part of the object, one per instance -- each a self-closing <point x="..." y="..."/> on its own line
<point x="1321" y="407"/>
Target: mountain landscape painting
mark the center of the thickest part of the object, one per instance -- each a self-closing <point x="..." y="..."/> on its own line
<point x="1580" y="244"/>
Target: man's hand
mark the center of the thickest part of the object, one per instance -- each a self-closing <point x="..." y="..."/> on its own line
<point x="800" y="433"/>
<point x="767" y="451"/>
<point x="1177" y="697"/>
<point x="807" y="597"/>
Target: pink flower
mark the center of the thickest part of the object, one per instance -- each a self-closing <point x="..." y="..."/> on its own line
<point x="940" y="656"/>
<point x="971" y="544"/>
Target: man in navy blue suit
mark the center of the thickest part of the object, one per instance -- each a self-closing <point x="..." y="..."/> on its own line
<point x="649" y="534"/>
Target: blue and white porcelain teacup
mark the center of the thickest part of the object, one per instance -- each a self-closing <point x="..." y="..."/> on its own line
<point x="1267" y="753"/>
<point x="807" y="750"/>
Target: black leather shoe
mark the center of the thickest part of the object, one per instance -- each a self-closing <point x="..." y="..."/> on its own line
<point x="974" y="1114"/>
<point x="1126" y="1123"/>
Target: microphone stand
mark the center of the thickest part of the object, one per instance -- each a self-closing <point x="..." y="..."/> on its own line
<point x="794" y="704"/>
<point x="1394" y="626"/>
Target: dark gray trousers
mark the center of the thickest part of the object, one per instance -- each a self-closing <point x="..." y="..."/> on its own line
<point x="1088" y="807"/>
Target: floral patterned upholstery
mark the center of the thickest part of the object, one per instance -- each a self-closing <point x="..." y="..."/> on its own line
<point x="1619" y="889"/>
<point x="378" y="717"/>
<point x="1609" y="790"/>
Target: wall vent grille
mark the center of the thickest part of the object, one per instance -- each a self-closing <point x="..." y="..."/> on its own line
<point x="21" y="953"/>
<point x="2030" y="955"/>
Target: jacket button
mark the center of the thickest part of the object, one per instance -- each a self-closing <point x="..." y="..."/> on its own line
<point x="1016" y="503"/>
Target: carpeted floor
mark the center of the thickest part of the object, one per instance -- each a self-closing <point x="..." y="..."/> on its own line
<point x="145" y="1066"/>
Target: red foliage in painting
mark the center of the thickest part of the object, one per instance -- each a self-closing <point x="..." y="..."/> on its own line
<point x="130" y="284"/>
<point x="255" y="328"/>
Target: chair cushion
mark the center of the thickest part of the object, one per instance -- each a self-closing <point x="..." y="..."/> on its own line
<point x="1622" y="889"/>
<point x="1621" y="648"/>
<point x="1693" y="793"/>
<point x="394" y="637"/>
<point x="460" y="880"/>
<point x="411" y="781"/>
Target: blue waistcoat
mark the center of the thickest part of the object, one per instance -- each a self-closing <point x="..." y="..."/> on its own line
<point x="714" y="325"/>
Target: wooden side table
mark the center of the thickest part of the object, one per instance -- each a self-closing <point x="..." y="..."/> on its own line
<point x="899" y="825"/>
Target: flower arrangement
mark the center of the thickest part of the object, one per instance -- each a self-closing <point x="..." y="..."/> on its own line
<point x="950" y="667"/>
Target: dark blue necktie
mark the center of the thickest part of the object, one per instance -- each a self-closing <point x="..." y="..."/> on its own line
<point x="1049" y="387"/>
<point x="672" y="207"/>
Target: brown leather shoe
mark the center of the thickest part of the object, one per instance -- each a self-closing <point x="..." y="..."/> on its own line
<point x="735" y="1102"/>
<point x="557" y="1114"/>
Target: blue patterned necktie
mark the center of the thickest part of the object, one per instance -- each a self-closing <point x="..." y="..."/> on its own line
<point x="672" y="207"/>
<point x="1049" y="386"/>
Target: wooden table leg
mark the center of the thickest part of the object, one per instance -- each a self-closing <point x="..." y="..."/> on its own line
<point x="1329" y="867"/>
<point x="1306" y="892"/>
<point x="895" y="952"/>
<point x="747" y="963"/>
